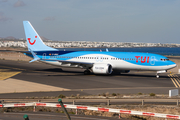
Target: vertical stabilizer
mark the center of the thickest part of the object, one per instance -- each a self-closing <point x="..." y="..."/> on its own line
<point x="34" y="42"/>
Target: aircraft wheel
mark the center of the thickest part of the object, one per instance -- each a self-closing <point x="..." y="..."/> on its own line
<point x="87" y="72"/>
<point x="157" y="76"/>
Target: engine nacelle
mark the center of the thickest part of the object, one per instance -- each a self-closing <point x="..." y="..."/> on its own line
<point x="102" y="68"/>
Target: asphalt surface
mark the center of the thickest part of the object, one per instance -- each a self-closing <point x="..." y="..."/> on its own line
<point x="75" y="80"/>
<point x="50" y="116"/>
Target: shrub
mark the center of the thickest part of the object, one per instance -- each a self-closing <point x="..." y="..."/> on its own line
<point x="104" y="94"/>
<point x="114" y="94"/>
<point x="72" y="95"/>
<point x="77" y="96"/>
<point x="61" y="96"/>
<point x="152" y="94"/>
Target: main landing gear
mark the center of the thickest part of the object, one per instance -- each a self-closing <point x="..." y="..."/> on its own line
<point x="87" y="72"/>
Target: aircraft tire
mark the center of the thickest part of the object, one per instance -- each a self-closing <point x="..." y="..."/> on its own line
<point x="87" y="72"/>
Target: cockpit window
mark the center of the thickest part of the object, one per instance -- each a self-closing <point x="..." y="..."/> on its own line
<point x="162" y="59"/>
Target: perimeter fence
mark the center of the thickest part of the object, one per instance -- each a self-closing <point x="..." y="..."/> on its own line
<point x="70" y="106"/>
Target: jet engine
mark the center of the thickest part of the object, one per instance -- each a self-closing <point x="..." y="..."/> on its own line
<point x="102" y="68"/>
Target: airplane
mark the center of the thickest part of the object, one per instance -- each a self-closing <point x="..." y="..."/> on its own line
<point x="97" y="62"/>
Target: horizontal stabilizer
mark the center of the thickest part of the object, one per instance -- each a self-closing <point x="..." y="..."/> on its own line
<point x="36" y="58"/>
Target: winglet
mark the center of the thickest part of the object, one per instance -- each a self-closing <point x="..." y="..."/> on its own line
<point x="34" y="56"/>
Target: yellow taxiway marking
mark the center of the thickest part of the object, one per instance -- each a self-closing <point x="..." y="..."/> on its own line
<point x="5" y="75"/>
<point x="12" y="68"/>
<point x="4" y="70"/>
<point x="175" y="79"/>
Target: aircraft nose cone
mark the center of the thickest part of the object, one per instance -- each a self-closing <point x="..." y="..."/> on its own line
<point x="173" y="64"/>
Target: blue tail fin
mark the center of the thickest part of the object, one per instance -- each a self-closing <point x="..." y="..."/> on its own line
<point x="34" y="42"/>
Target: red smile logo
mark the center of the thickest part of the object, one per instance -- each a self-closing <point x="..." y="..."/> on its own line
<point x="32" y="43"/>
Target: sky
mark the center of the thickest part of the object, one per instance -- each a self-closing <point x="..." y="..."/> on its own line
<point x="145" y="21"/>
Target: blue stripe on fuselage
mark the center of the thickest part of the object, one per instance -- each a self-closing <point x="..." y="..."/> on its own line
<point x="144" y="59"/>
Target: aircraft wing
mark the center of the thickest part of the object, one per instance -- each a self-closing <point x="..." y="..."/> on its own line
<point x="72" y="63"/>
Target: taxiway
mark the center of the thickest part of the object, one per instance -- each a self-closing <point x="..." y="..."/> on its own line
<point x="39" y="79"/>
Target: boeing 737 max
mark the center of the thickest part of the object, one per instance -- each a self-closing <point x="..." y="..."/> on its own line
<point x="94" y="61"/>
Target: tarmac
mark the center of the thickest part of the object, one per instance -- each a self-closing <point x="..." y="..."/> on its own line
<point x="50" y="116"/>
<point x="38" y="79"/>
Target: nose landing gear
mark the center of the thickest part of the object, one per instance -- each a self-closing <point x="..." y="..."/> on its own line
<point x="157" y="76"/>
<point x="158" y="72"/>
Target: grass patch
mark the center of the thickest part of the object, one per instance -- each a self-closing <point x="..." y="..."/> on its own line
<point x="114" y="94"/>
<point x="139" y="93"/>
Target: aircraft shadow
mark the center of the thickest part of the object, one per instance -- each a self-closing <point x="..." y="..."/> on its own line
<point x="140" y="75"/>
<point x="78" y="73"/>
<point x="57" y="70"/>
